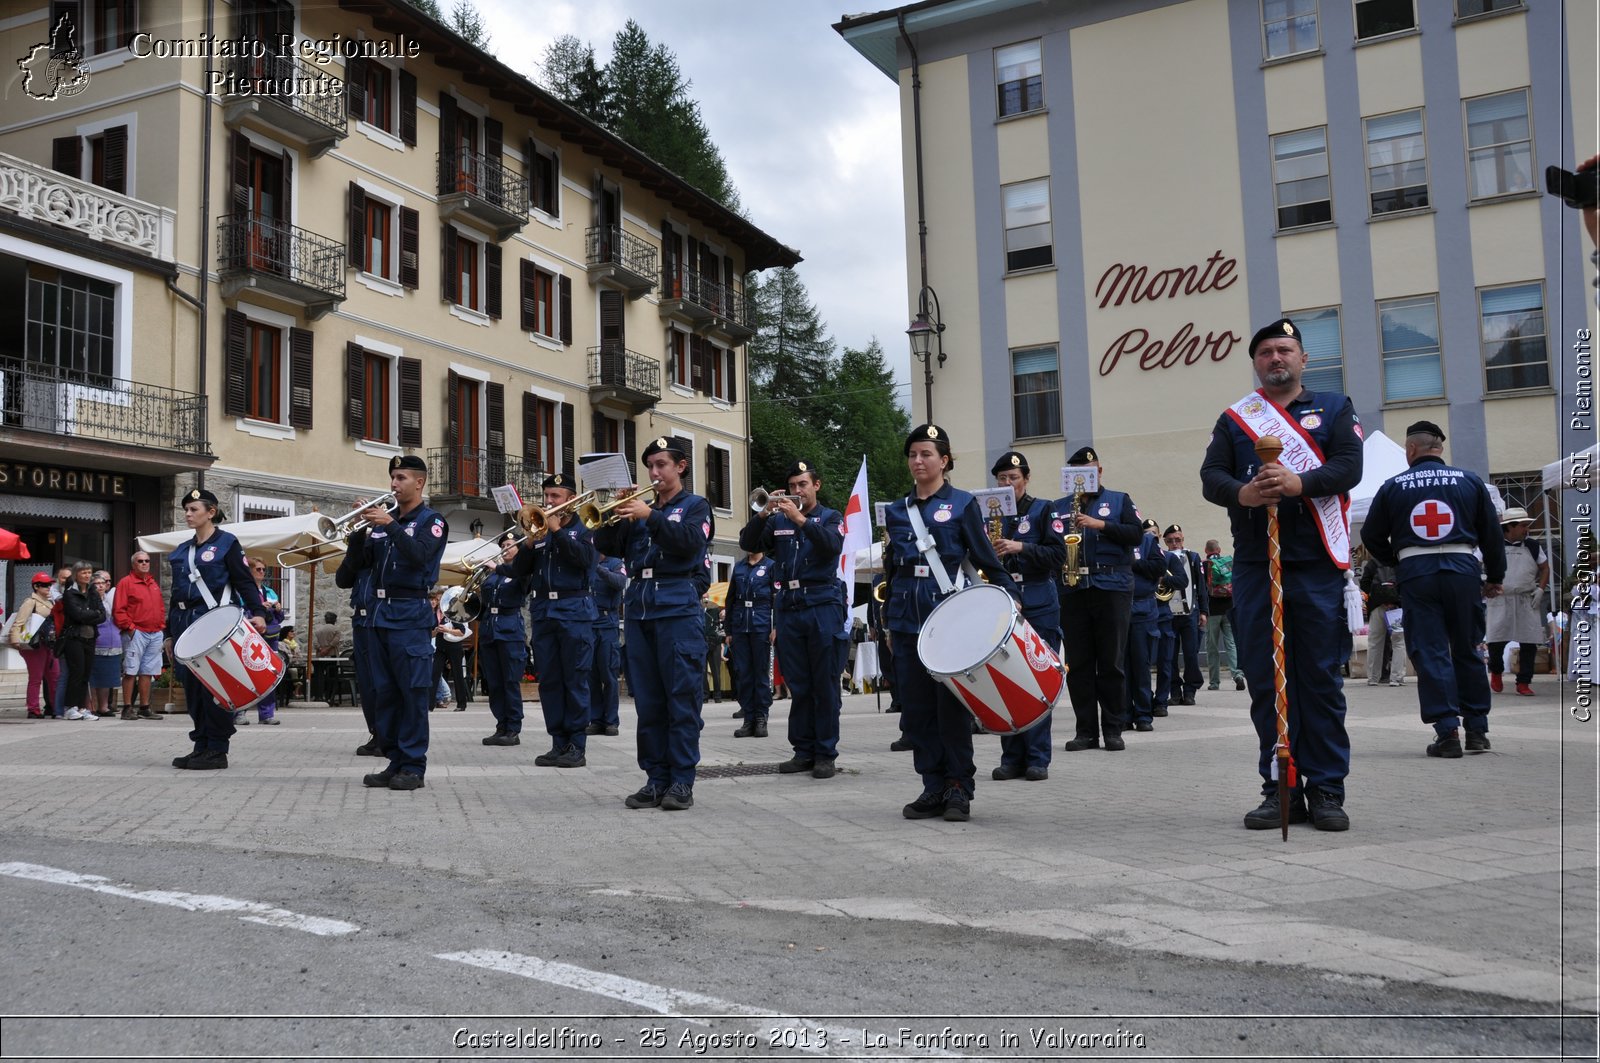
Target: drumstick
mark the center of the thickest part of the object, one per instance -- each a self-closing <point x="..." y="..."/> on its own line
<point x="1267" y="449"/>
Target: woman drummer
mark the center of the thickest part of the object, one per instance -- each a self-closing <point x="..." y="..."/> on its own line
<point x="207" y="571"/>
<point x="937" y="725"/>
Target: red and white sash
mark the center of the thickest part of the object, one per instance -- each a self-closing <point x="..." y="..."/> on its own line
<point x="1259" y="416"/>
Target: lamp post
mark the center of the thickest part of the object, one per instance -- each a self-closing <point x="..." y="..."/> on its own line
<point x="927" y="340"/>
<point x="476" y="528"/>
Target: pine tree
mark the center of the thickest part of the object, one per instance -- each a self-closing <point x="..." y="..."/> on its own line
<point x="571" y="75"/>
<point x="466" y="21"/>
<point x="791" y="354"/>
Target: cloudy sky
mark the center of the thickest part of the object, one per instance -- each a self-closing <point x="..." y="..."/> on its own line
<point x="810" y="132"/>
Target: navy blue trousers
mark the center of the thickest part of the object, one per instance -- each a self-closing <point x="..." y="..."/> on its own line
<point x="666" y="673"/>
<point x="1186" y="677"/>
<point x="362" y="647"/>
<point x="938" y="726"/>
<point x="402" y="691"/>
<point x="810" y="639"/>
<point x="1163" y="648"/>
<point x="565" y="652"/>
<point x="1143" y="637"/>
<point x="502" y="663"/>
<point x="603" y="686"/>
<point x="1444" y="620"/>
<point x="750" y="654"/>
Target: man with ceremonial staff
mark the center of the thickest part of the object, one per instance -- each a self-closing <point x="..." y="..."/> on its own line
<point x="1309" y="485"/>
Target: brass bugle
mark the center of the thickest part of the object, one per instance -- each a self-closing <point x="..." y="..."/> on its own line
<point x="534" y="519"/>
<point x="595" y="516"/>
<point x="334" y="530"/>
<point x="761" y="498"/>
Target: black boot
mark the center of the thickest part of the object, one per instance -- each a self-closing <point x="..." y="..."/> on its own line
<point x="760" y="730"/>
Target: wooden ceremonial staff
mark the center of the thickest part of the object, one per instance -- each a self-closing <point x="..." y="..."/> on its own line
<point x="1267" y="449"/>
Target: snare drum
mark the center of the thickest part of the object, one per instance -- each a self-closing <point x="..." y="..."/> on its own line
<point x="229" y="657"/>
<point x="978" y="644"/>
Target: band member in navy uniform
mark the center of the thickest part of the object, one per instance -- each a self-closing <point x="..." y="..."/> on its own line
<point x="503" y="644"/>
<point x="610" y="579"/>
<point x="563" y="628"/>
<point x="1149" y="570"/>
<point x="354" y="576"/>
<point x="938" y="726"/>
<point x="402" y="549"/>
<point x="1032" y="554"/>
<point x="664" y="546"/>
<point x="750" y="635"/>
<point x="1174" y="579"/>
<point x="804" y="540"/>
<point x="207" y="571"/>
<point x="1095" y="612"/>
<point x="1314" y="538"/>
<point x="1430" y="518"/>
<point x="1188" y="617"/>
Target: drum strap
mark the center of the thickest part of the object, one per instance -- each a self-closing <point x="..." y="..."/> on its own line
<point x="930" y="553"/>
<point x="196" y="583"/>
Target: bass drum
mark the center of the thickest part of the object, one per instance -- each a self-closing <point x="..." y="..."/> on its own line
<point x="980" y="646"/>
<point x="224" y="651"/>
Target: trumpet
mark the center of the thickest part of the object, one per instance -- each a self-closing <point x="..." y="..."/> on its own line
<point x="597" y="516"/>
<point x="335" y="530"/>
<point x="761" y="498"/>
<point x="534" y="519"/>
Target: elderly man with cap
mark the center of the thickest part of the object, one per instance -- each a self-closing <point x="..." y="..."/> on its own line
<point x="207" y="571"/>
<point x="1032" y="553"/>
<point x="400" y="548"/>
<point x="664" y="546"/>
<point x="804" y="540"/>
<point x="1095" y="610"/>
<point x="1309" y="485"/>
<point x="1435" y="518"/>
<point x="1518" y="614"/>
<point x="1190" y="607"/>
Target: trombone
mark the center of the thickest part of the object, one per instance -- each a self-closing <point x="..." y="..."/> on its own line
<point x="597" y="516"/>
<point x="534" y="519"/>
<point x="335" y="530"/>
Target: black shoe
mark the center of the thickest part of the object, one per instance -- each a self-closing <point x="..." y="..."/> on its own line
<point x="957" y="806"/>
<point x="738" y="714"/>
<point x="1187" y="699"/>
<point x="1081" y="742"/>
<point x="928" y="806"/>
<point x="370" y="748"/>
<point x="760" y="728"/>
<point x="1477" y="742"/>
<point x="210" y="760"/>
<point x="595" y="729"/>
<point x="503" y="738"/>
<point x="894" y="706"/>
<point x="183" y="761"/>
<point x="1143" y="725"/>
<point x="571" y="757"/>
<point x="648" y="796"/>
<point x="547" y="760"/>
<point x="1036" y="774"/>
<point x="405" y="780"/>
<point x="459" y="708"/>
<point x="824" y="769"/>
<point x="378" y="778"/>
<point x="900" y="745"/>
<point x="1158" y="710"/>
<point x="1114" y="743"/>
<point x="1326" y="811"/>
<point x="746" y="731"/>
<point x="678" y="797"/>
<point x="1265" y="815"/>
<point x="1006" y="772"/>
<point x="146" y="714"/>
<point x="1447" y="746"/>
<point x="611" y="731"/>
<point x="795" y="765"/>
<point x="1238" y="683"/>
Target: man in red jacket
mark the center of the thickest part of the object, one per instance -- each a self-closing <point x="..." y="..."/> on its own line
<point x="141" y="617"/>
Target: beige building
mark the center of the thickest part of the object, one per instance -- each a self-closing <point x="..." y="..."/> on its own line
<point x="1118" y="194"/>
<point x="277" y="249"/>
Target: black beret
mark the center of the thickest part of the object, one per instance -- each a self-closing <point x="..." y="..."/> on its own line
<point x="559" y="479"/>
<point x="1149" y="525"/>
<point x="927" y="433"/>
<point x="801" y="468"/>
<point x="1281" y="327"/>
<point x="200" y="494"/>
<point x="1010" y="460"/>
<point x="1083" y="456"/>
<point x="1426" y="427"/>
<point x="1173" y="528"/>
<point x="671" y="444"/>
<point x="407" y="461"/>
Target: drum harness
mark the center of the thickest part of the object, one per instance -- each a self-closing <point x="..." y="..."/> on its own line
<point x="205" y="592"/>
<point x="930" y="553"/>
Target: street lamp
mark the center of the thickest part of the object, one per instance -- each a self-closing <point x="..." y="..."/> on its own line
<point x="476" y="528"/>
<point x="927" y="335"/>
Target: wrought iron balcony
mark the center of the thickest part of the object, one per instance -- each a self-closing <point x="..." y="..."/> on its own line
<point x="40" y="194"/>
<point x="621" y="378"/>
<point x="45" y="400"/>
<point x="287" y="94"/>
<point x="282" y="260"/>
<point x="462" y="473"/>
<point x="718" y="309"/>
<point x="619" y="258"/>
<point x="476" y="187"/>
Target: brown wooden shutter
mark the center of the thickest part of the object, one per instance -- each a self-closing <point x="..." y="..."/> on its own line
<point x="239" y="154"/>
<point x="300" y="376"/>
<point x="712" y="468"/>
<point x="491" y="280"/>
<point x="494" y="152"/>
<point x="530" y="156"/>
<point x="66" y="155"/>
<point x="697" y="376"/>
<point x="408" y="108"/>
<point x="410" y="248"/>
<point x="452" y="429"/>
<point x="411" y="402"/>
<point x="669" y="262"/>
<point x="64" y="42"/>
<point x="495" y="441"/>
<point x="285" y="211"/>
<point x="528" y="293"/>
<point x="356" y="241"/>
<point x="235" y="340"/>
<point x="530" y="429"/>
<point x="447" y="253"/>
<point x="725" y="477"/>
<point x="355" y="86"/>
<point x="731" y="376"/>
<point x="355" y="391"/>
<point x="630" y="442"/>
<point x="448" y="164"/>
<point x="114" y="143"/>
<point x="597" y="432"/>
<point x="611" y="338"/>
<point x="569" y="441"/>
<point x="566" y="311"/>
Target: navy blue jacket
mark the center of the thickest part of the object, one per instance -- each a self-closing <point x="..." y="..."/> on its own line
<point x="1039" y="564"/>
<point x="404" y="561"/>
<point x="610" y="579"/>
<point x="1149" y="568"/>
<point x="750" y="597"/>
<point x="355" y="577"/>
<point x="559" y="564"/>
<point x="956" y="525"/>
<point x="806" y="556"/>
<point x="505" y="594"/>
<point x="220" y="563"/>
<point x="1107" y="553"/>
<point x="1434" y="504"/>
<point x="666" y="557"/>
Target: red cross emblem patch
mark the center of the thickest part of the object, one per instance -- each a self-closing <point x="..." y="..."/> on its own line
<point x="1432" y="520"/>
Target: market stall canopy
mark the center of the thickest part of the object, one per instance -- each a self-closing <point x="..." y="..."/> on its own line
<point x="1574" y="470"/>
<point x="301" y="535"/>
<point x="869" y="562"/>
<point x="457" y="563"/>
<point x="1383" y="459"/>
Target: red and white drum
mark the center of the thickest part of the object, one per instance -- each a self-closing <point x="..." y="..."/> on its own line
<point x="229" y="657"/>
<point x="978" y="644"/>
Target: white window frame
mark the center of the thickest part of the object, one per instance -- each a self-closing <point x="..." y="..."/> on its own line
<point x="558" y="444"/>
<point x="1277" y="184"/>
<point x="999" y="86"/>
<point x="1438" y="351"/>
<point x="1301" y="316"/>
<point x="392" y="354"/>
<point x="554" y="154"/>
<point x="1048" y="224"/>
<point x="1316" y="47"/>
<point x="553" y="339"/>
<point x="694" y="463"/>
<point x="122" y="279"/>
<point x="93" y="129"/>
<point x="727" y="510"/>
<point x="271" y="429"/>
<point x="376" y="134"/>
<point x="481" y="242"/>
<point x="297" y="170"/>
<point x="1466" y="139"/>
<point x="1427" y="172"/>
<point x="283" y="507"/>
<point x="1011" y="370"/>
<point x="395" y="203"/>
<point x="686" y="390"/>
<point x="1512" y="8"/>
<point x="1483" y="350"/>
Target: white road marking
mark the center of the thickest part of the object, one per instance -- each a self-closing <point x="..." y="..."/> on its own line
<point x="248" y="911"/>
<point x="663" y="1000"/>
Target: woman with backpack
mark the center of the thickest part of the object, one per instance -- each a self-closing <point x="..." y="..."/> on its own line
<point x="38" y="648"/>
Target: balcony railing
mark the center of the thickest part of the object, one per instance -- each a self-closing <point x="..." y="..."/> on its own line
<point x="630" y="380"/>
<point x="697" y="298"/>
<point x="482" y="188"/>
<point x="464" y="472"/>
<point x="40" y="194"/>
<point x="45" y="398"/>
<point x="620" y="257"/>
<point x="302" y="99"/>
<point x="306" y="267"/>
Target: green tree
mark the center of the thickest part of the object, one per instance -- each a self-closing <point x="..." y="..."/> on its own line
<point x="429" y="8"/>
<point x="468" y="23"/>
<point x="791" y="354"/>
<point x="572" y="76"/>
<point x="866" y="420"/>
